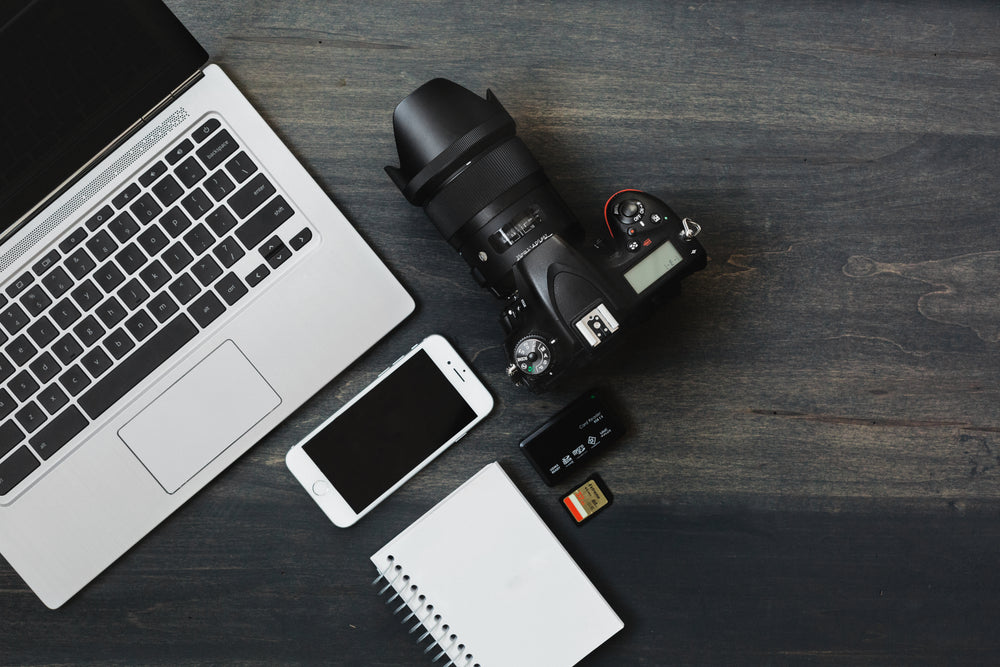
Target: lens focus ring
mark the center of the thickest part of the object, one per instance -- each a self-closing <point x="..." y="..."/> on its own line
<point x="482" y="181"/>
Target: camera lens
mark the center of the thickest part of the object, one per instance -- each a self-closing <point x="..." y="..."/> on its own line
<point x="460" y="160"/>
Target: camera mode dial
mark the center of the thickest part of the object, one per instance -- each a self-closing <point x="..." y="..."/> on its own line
<point x="630" y="211"/>
<point x="532" y="355"/>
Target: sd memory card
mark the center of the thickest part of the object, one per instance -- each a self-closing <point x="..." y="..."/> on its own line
<point x="578" y="432"/>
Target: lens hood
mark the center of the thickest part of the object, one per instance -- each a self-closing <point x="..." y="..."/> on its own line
<point x="439" y="128"/>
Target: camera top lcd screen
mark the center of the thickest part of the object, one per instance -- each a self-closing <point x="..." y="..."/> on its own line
<point x="651" y="269"/>
<point x="390" y="430"/>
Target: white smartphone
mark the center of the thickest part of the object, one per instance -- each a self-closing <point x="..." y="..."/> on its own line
<point x="413" y="411"/>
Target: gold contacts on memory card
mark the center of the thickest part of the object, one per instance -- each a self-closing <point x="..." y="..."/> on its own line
<point x="588" y="499"/>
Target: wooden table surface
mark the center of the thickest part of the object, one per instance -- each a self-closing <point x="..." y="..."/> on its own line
<point x="812" y="470"/>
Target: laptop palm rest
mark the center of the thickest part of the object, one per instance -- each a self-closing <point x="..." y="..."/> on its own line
<point x="199" y="416"/>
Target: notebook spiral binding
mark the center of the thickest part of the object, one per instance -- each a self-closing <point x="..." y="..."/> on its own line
<point x="423" y="615"/>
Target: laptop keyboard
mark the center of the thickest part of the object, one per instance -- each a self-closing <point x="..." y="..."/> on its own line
<point x="115" y="297"/>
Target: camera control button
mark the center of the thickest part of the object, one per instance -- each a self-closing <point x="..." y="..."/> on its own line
<point x="628" y="209"/>
<point x="633" y="245"/>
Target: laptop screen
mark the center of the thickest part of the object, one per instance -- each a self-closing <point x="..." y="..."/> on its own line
<point x="74" y="76"/>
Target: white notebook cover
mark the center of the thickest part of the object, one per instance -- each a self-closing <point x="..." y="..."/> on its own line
<point x="496" y="575"/>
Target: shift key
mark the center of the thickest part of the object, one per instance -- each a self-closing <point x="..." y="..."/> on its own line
<point x="263" y="223"/>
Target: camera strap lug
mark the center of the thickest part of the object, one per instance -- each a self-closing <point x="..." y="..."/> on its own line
<point x="691" y="229"/>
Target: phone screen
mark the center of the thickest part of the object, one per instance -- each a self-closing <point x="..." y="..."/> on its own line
<point x="390" y="430"/>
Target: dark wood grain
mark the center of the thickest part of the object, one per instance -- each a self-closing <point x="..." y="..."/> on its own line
<point x="812" y="472"/>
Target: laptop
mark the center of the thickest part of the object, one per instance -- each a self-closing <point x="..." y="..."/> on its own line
<point x="173" y="284"/>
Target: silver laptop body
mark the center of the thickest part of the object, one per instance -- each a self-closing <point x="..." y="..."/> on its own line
<point x="279" y="295"/>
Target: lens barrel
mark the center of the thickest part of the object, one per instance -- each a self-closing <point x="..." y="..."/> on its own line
<point x="478" y="183"/>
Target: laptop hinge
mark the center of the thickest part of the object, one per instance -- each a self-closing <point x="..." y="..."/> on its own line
<point x="103" y="153"/>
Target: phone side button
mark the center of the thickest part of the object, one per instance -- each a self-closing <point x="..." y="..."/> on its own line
<point x="321" y="488"/>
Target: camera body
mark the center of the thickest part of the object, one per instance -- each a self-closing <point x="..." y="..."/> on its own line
<point x="571" y="300"/>
<point x="568" y="295"/>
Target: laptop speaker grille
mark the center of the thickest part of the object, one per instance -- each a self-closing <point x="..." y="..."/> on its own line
<point x="98" y="183"/>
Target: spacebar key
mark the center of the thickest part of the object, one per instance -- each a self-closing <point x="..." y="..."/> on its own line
<point x="160" y="347"/>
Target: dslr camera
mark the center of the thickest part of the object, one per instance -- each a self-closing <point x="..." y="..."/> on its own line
<point x="567" y="296"/>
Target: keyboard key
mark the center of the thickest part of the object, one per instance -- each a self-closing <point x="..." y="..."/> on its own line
<point x="206" y="309"/>
<point x="153" y="173"/>
<point x="35" y="300"/>
<point x="258" y="275"/>
<point x="109" y="277"/>
<point x="248" y="198"/>
<point x="42" y="331"/>
<point x="23" y="386"/>
<point x="168" y="190"/>
<point x="199" y="239"/>
<point x="97" y="362"/>
<point x="74" y="380"/>
<point x="123" y="227"/>
<point x="20" y="284"/>
<point x="44" y="367"/>
<point x="189" y="172"/>
<point x="241" y="167"/>
<point x="228" y="251"/>
<point x="153" y="240"/>
<point x="86" y="295"/>
<point x="218" y="185"/>
<point x="133" y="294"/>
<point x="221" y="221"/>
<point x="118" y="343"/>
<point x="67" y="349"/>
<point x="126" y="195"/>
<point x="7" y="405"/>
<point x="177" y="257"/>
<point x="65" y="313"/>
<point x="197" y="204"/>
<point x="269" y="246"/>
<point x="89" y="331"/>
<point x="57" y="282"/>
<point x="140" y="325"/>
<point x="137" y="366"/>
<point x="218" y="147"/>
<point x="46" y="262"/>
<point x="231" y="288"/>
<point x="155" y="275"/>
<point x="279" y="256"/>
<point x="111" y="311"/>
<point x="264" y="222"/>
<point x="6" y="368"/>
<point x="206" y="270"/>
<point x="80" y="263"/>
<point x="206" y="130"/>
<point x="74" y="239"/>
<point x="99" y="218"/>
<point x="30" y="417"/>
<point x="13" y="318"/>
<point x="101" y="245"/>
<point x="54" y="436"/>
<point x="185" y="288"/>
<point x="21" y="350"/>
<point x="15" y="469"/>
<point x="10" y="435"/>
<point x="300" y="239"/>
<point x="175" y="222"/>
<point x="145" y="208"/>
<point x="130" y="258"/>
<point x="179" y="151"/>
<point x="52" y="398"/>
<point x="162" y="307"/>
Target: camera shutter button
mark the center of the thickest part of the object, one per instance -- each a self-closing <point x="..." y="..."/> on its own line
<point x="628" y="210"/>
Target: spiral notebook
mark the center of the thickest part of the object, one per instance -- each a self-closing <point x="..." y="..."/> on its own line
<point x="481" y="580"/>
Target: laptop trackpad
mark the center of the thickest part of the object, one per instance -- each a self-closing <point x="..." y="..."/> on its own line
<point x="199" y="416"/>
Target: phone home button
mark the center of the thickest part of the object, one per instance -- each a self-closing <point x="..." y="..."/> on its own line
<point x="321" y="488"/>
